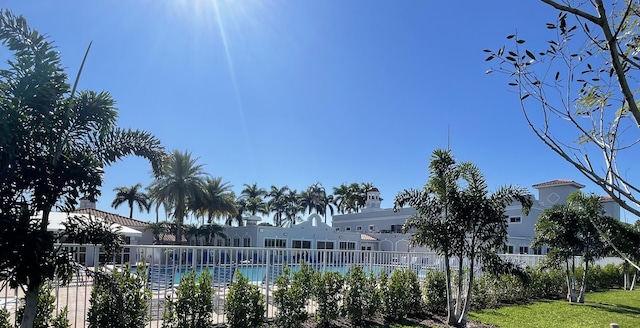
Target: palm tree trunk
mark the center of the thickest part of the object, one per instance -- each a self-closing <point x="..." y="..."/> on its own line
<point x="131" y="212"/>
<point x="583" y="288"/>
<point x="451" y="316"/>
<point x="459" y="288"/>
<point x="31" y="304"/>
<point x="467" y="300"/>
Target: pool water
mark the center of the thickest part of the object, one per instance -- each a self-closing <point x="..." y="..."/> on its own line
<point x="257" y="273"/>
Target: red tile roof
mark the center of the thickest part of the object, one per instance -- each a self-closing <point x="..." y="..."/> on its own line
<point x="557" y="182"/>
<point x="111" y="217"/>
<point x="366" y="237"/>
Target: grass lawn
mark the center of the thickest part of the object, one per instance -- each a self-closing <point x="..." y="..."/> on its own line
<point x="598" y="311"/>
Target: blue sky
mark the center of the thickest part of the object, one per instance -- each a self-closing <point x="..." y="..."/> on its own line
<point x="298" y="92"/>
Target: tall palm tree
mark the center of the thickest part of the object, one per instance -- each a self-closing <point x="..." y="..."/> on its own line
<point x="253" y="201"/>
<point x="217" y="200"/>
<point x="182" y="180"/>
<point x="277" y="203"/>
<point x="293" y="207"/>
<point x="132" y="196"/>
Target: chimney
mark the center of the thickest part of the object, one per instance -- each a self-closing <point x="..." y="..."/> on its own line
<point x="85" y="203"/>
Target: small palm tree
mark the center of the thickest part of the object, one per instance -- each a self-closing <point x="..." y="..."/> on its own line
<point x="159" y="230"/>
<point x="132" y="196"/>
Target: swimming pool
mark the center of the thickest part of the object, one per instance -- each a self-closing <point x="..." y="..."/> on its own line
<point x="256" y="273"/>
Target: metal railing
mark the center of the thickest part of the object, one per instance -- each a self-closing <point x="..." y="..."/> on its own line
<point x="165" y="265"/>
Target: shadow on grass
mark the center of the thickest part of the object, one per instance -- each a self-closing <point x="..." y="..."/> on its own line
<point x="614" y="308"/>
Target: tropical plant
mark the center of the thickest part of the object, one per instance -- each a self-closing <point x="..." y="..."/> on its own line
<point x="244" y="305"/>
<point x="277" y="203"/>
<point x="357" y="295"/>
<point x="192" y="305"/>
<point x="44" y="312"/>
<point x="158" y="230"/>
<point x="55" y="141"/>
<point x="181" y="181"/>
<point x="120" y="300"/>
<point x="132" y="196"/>
<point x="571" y="230"/>
<point x="293" y="208"/>
<point x="327" y="292"/>
<point x="216" y="202"/>
<point x="210" y="231"/>
<point x="291" y="295"/>
<point x="458" y="218"/>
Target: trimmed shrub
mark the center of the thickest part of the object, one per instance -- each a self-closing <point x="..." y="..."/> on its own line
<point x="44" y="311"/>
<point x="403" y="295"/>
<point x="193" y="303"/>
<point x="327" y="291"/>
<point x="435" y="292"/>
<point x="357" y="296"/>
<point x="120" y="300"/>
<point x="291" y="296"/>
<point x="244" y="305"/>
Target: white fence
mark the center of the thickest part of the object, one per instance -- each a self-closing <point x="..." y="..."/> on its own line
<point x="165" y="265"/>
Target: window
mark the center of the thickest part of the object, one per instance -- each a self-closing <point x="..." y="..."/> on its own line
<point x="359" y="228"/>
<point x="236" y="241"/>
<point x="275" y="243"/>
<point x="523" y="250"/>
<point x="227" y="242"/>
<point x="396" y="228"/>
<point x="219" y="242"/>
<point x="508" y="249"/>
<point x="537" y="250"/>
<point x="347" y="229"/>
<point x="347" y="245"/>
<point x="324" y="245"/>
<point x="301" y="244"/>
<point x="515" y="219"/>
<point x="246" y="242"/>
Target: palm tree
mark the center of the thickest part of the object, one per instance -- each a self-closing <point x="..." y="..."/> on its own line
<point x="293" y="207"/>
<point x="158" y="229"/>
<point x="217" y="200"/>
<point x="277" y="203"/>
<point x="457" y="217"/>
<point x="210" y="231"/>
<point x="253" y="201"/>
<point x="131" y="195"/>
<point x="182" y="181"/>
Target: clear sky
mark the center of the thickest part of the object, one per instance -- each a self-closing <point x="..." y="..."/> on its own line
<point x="304" y="91"/>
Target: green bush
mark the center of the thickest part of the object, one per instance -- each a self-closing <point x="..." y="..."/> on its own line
<point x="192" y="306"/>
<point x="44" y="311"/>
<point x="327" y="292"/>
<point x="435" y="292"/>
<point x="399" y="299"/>
<point x="120" y="300"/>
<point x="4" y="318"/>
<point x="291" y="296"/>
<point x="244" y="305"/>
<point x="377" y="294"/>
<point x="358" y="295"/>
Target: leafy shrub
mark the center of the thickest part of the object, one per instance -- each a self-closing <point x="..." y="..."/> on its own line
<point x="600" y="278"/>
<point x="380" y="294"/>
<point x="4" y="318"/>
<point x="357" y="296"/>
<point x="435" y="292"/>
<point x="192" y="306"/>
<point x="402" y="294"/>
<point x="44" y="311"/>
<point x="291" y="296"/>
<point x="119" y="300"/>
<point x="244" y="305"/>
<point x="375" y="302"/>
<point x="327" y="291"/>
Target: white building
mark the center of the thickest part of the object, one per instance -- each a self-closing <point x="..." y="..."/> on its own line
<point x="385" y="225"/>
